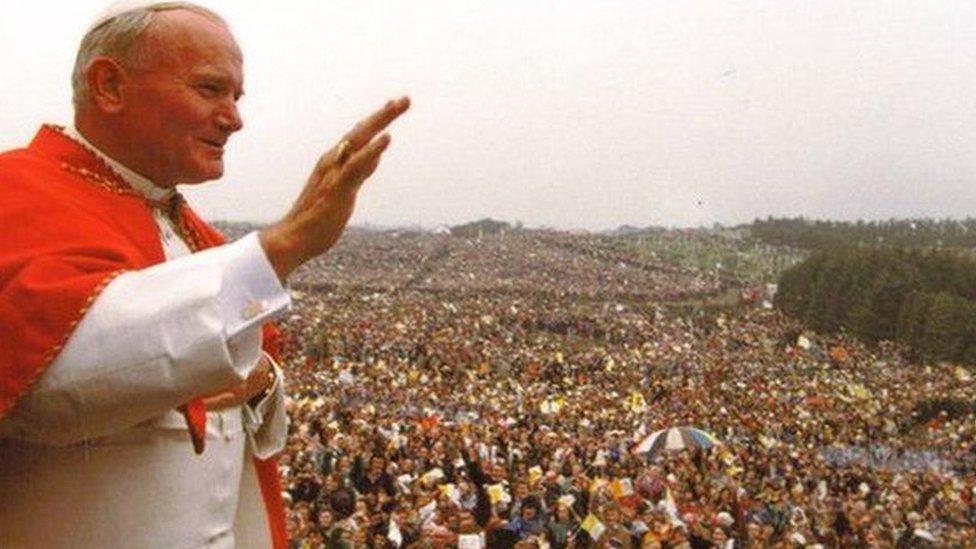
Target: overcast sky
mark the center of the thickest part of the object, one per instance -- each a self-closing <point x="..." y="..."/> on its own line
<point x="577" y="114"/>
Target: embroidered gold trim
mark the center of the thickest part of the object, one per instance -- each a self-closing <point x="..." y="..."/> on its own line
<point x="194" y="240"/>
<point x="49" y="358"/>
<point x="100" y="180"/>
<point x="110" y="180"/>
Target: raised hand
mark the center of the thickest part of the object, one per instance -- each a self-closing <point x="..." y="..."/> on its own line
<point x="319" y="215"/>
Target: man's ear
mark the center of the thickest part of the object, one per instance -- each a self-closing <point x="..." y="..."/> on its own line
<point x="106" y="80"/>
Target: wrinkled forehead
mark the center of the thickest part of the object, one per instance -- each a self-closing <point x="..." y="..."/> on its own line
<point x="182" y="36"/>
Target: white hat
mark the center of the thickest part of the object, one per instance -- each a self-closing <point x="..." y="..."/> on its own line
<point x="119" y="7"/>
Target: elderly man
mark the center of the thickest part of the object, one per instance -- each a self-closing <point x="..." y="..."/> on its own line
<point x="110" y="323"/>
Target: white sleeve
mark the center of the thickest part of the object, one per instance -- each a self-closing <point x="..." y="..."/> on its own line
<point x="266" y="422"/>
<point x="153" y="340"/>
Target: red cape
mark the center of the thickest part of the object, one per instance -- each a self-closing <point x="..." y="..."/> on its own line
<point x="70" y="225"/>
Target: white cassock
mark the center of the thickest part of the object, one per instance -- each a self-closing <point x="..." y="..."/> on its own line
<point x="95" y="455"/>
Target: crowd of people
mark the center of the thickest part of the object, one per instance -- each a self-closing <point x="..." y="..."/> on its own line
<point x="466" y="392"/>
<point x="518" y="262"/>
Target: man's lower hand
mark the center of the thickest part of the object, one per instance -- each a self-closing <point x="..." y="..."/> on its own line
<point x="258" y="382"/>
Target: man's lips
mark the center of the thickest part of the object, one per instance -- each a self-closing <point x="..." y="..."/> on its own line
<point x="214" y="143"/>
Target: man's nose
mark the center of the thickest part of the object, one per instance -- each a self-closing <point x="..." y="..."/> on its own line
<point x="230" y="119"/>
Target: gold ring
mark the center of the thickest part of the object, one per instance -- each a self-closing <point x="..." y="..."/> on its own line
<point x="342" y="151"/>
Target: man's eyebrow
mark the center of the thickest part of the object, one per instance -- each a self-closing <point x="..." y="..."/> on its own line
<point x="214" y="76"/>
<point x="219" y="78"/>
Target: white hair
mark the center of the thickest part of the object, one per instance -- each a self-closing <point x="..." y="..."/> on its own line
<point x="117" y="35"/>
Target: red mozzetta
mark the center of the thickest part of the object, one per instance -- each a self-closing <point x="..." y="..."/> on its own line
<point x="70" y="225"/>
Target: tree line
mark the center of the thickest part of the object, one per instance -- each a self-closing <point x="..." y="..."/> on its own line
<point x="923" y="298"/>
<point x="906" y="233"/>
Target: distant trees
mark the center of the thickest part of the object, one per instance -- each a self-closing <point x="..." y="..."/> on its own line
<point x="481" y="228"/>
<point x="926" y="299"/>
<point x="909" y="233"/>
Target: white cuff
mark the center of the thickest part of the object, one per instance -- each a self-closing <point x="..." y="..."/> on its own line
<point x="154" y="339"/>
<point x="266" y="423"/>
<point x="251" y="292"/>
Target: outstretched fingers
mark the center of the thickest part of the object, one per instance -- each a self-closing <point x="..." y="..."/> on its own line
<point x="371" y="126"/>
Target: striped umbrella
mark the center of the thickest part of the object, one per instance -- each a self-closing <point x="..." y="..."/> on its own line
<point x="674" y="438"/>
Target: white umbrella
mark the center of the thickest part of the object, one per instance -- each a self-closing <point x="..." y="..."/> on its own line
<point x="674" y="438"/>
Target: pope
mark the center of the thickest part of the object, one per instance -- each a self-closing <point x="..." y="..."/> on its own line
<point x="141" y="403"/>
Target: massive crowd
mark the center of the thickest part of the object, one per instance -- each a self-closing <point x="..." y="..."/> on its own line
<point x="464" y="392"/>
<point x="519" y="263"/>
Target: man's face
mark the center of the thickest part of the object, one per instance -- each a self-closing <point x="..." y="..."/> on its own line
<point x="181" y="104"/>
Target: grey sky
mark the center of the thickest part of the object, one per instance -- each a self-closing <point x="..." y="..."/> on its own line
<point x="577" y="114"/>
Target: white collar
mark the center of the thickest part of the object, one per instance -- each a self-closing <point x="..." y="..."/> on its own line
<point x="139" y="183"/>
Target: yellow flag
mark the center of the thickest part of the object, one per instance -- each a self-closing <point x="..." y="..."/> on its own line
<point x="593" y="526"/>
<point x="859" y="391"/>
<point x="451" y="492"/>
<point x="637" y="403"/>
<point x="535" y="474"/>
<point x="496" y="493"/>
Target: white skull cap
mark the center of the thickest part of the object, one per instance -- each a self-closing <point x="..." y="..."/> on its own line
<point x="119" y="7"/>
